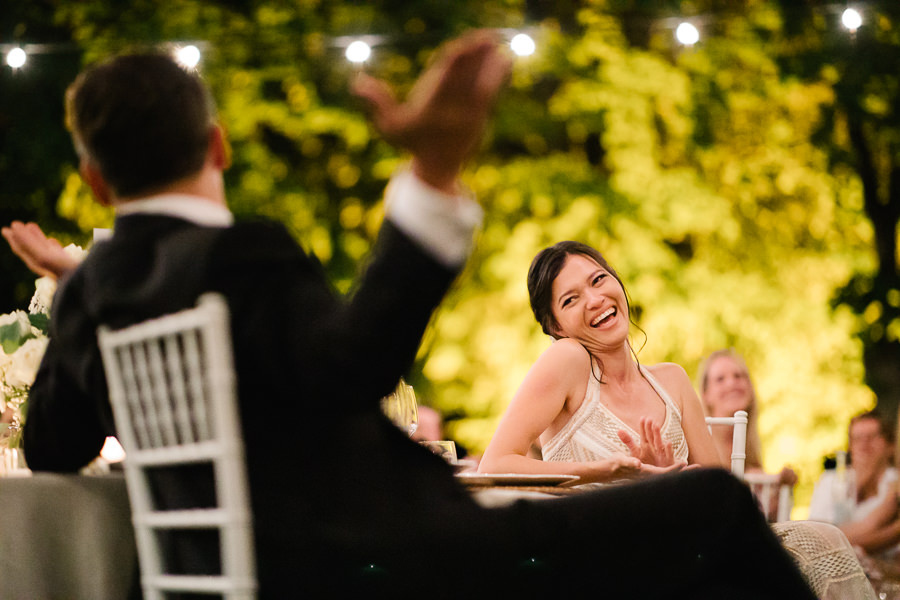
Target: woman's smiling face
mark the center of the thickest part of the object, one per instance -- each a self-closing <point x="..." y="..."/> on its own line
<point x="589" y="304"/>
<point x="727" y="387"/>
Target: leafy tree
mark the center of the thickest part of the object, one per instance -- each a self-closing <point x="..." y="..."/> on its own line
<point x="695" y="172"/>
<point x="860" y="131"/>
<point x="701" y="173"/>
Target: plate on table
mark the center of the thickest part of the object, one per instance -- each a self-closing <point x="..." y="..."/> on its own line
<point x="521" y="479"/>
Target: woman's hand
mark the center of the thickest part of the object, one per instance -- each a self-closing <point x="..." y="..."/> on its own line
<point x="651" y="449"/>
<point x="617" y="466"/>
<point x="647" y="470"/>
<point x="787" y="477"/>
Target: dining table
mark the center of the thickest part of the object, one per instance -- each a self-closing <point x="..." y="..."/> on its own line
<point x="66" y="537"/>
<point x="498" y="489"/>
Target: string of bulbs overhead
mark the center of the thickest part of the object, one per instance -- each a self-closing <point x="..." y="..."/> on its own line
<point x="358" y="49"/>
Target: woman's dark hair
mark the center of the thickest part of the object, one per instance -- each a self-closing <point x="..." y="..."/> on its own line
<point x="142" y="119"/>
<point x="543" y="271"/>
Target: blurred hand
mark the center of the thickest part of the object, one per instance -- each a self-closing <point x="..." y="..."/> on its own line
<point x="444" y="116"/>
<point x="787" y="477"/>
<point x="45" y="256"/>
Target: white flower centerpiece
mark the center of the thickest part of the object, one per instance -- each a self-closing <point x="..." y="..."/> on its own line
<point x="23" y="340"/>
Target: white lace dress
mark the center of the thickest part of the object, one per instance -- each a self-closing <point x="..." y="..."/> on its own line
<point x="821" y="551"/>
<point x="591" y="433"/>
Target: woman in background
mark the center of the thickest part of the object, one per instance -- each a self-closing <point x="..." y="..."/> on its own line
<point x="725" y="388"/>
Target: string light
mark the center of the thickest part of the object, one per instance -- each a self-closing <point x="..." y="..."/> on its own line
<point x="16" y="58"/>
<point x="188" y="56"/>
<point x="522" y="44"/>
<point x="851" y="19"/>
<point x="358" y="52"/>
<point x="687" y="34"/>
<point x="358" y="48"/>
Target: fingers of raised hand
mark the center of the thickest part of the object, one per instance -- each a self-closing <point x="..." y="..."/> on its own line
<point x="634" y="448"/>
<point x="649" y="435"/>
<point x="45" y="256"/>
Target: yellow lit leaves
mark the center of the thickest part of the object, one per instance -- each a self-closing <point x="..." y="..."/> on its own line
<point x="77" y="204"/>
<point x="298" y="96"/>
<point x="343" y="173"/>
<point x="352" y="213"/>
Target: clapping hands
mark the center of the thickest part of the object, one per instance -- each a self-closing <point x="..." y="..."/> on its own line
<point x="651" y="449"/>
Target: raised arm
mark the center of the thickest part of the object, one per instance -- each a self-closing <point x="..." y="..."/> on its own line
<point x="557" y="376"/>
<point x="878" y="530"/>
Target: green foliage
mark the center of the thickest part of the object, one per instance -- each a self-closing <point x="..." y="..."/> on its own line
<point x="701" y="174"/>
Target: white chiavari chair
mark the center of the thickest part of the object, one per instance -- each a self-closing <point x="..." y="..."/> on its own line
<point x="172" y="388"/>
<point x="739" y="441"/>
<point x="765" y="486"/>
<point x="775" y="498"/>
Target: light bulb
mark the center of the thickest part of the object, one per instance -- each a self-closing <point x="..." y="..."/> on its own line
<point x="188" y="56"/>
<point x="358" y="52"/>
<point x="687" y="34"/>
<point x="15" y="58"/>
<point x="851" y="19"/>
<point x="522" y="45"/>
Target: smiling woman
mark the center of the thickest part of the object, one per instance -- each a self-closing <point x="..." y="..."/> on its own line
<point x="593" y="408"/>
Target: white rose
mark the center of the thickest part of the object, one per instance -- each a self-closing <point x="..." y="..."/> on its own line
<point x="75" y="252"/>
<point x="44" y="287"/>
<point x="5" y="361"/>
<point x="25" y="362"/>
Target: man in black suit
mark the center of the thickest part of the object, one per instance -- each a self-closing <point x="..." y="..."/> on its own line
<point x="342" y="500"/>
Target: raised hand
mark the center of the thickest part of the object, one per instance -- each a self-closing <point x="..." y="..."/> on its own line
<point x="445" y="114"/>
<point x="651" y="449"/>
<point x="44" y="256"/>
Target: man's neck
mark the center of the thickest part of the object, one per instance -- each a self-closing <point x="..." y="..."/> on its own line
<point x="205" y="185"/>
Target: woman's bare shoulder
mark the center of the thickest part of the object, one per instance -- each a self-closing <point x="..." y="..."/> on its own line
<point x="668" y="371"/>
<point x="672" y="376"/>
<point x="564" y="358"/>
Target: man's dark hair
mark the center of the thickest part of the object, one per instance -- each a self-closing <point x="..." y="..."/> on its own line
<point x="142" y="119"/>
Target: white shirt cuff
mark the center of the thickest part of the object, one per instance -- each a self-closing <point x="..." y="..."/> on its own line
<point x="442" y="224"/>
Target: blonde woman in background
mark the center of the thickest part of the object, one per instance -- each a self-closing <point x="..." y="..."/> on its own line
<point x="725" y="388"/>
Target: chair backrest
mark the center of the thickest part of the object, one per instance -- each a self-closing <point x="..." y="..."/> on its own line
<point x="775" y="498"/>
<point x="777" y="508"/>
<point x="172" y="389"/>
<point x="739" y="440"/>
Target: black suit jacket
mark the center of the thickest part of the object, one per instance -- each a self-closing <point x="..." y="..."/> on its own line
<point x="332" y="481"/>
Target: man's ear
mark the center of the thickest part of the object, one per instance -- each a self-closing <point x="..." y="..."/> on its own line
<point x="219" y="151"/>
<point x="90" y="173"/>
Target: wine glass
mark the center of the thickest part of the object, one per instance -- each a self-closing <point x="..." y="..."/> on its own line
<point x="401" y="407"/>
